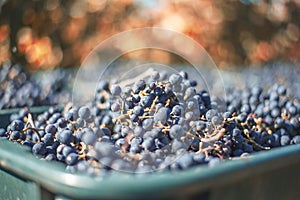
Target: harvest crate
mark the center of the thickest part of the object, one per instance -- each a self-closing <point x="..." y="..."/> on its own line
<point x="265" y="175"/>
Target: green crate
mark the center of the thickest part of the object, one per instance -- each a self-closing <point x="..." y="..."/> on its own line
<point x="265" y="175"/>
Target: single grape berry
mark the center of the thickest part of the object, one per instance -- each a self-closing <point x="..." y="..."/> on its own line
<point x="115" y="90"/>
<point x="176" y="131"/>
<point x="65" y="137"/>
<point x="84" y="112"/>
<point x="39" y="149"/>
<point x="17" y="125"/>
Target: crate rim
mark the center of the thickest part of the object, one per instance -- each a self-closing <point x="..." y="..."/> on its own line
<point x="52" y="176"/>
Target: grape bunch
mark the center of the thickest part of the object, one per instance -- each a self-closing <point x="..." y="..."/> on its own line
<point x="161" y="122"/>
<point x="19" y="89"/>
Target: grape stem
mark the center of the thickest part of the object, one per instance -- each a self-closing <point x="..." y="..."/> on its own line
<point x="36" y="130"/>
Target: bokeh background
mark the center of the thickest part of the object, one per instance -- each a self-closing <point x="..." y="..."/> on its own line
<point x="50" y="33"/>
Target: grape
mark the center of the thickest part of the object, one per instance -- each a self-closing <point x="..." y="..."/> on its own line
<point x="238" y="152"/>
<point x="275" y="112"/>
<point x="115" y="107"/>
<point x="189" y="92"/>
<point x="65" y="137"/>
<point x="296" y="139"/>
<point x="175" y="79"/>
<point x="136" y="98"/>
<point x="48" y="139"/>
<point x="281" y="90"/>
<point x="274" y="140"/>
<point x="285" y="140"/>
<point x="15" y="135"/>
<point x="61" y="123"/>
<point x="135" y="149"/>
<point x="176" y="131"/>
<point x="246" y="108"/>
<point x="256" y="91"/>
<point x="148" y="124"/>
<point x="72" y="159"/>
<point x="189" y="116"/>
<point x="3" y="132"/>
<point x="161" y="115"/>
<point x="51" y="128"/>
<point x="242" y="117"/>
<point x="106" y="120"/>
<point x="210" y="114"/>
<point x="248" y="148"/>
<point x="89" y="137"/>
<point x="199" y="158"/>
<point x="216" y="120"/>
<point x="295" y="123"/>
<point x="115" y="90"/>
<point x="39" y="149"/>
<point x="185" y="161"/>
<point x="50" y="157"/>
<point x="106" y="131"/>
<point x="79" y="122"/>
<point x="71" y="114"/>
<point x="214" y="161"/>
<point x="66" y="150"/>
<point x="155" y="76"/>
<point x="184" y="74"/>
<point x="139" y="86"/>
<point x="158" y="91"/>
<point x="105" y="149"/>
<point x="292" y="110"/>
<point x="139" y="131"/>
<point x="146" y="101"/>
<point x="138" y="110"/>
<point x="103" y="85"/>
<point x="177" y="145"/>
<point x="120" y="142"/>
<point x="84" y="112"/>
<point x="17" y="125"/>
<point x="149" y="144"/>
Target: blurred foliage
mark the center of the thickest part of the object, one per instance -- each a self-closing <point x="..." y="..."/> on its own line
<point x="49" y="33"/>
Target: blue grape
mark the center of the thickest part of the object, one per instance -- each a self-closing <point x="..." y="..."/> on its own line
<point x="115" y="107"/>
<point x="67" y="150"/>
<point x="65" y="137"/>
<point x="3" y="132"/>
<point x="51" y="128"/>
<point x="89" y="137"/>
<point x="39" y="149"/>
<point x="84" y="112"/>
<point x="210" y="114"/>
<point x="285" y="140"/>
<point x="50" y="157"/>
<point x="115" y="90"/>
<point x="15" y="135"/>
<point x="17" y="125"/>
<point x="175" y="79"/>
<point x="176" y="131"/>
<point x="162" y="115"/>
<point x="48" y="139"/>
<point x="72" y="159"/>
<point x="147" y="124"/>
<point x="138" y="110"/>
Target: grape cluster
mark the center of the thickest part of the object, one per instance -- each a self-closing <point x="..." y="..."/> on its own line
<point x="161" y="122"/>
<point x="18" y="89"/>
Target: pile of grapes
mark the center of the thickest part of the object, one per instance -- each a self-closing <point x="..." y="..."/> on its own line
<point x="19" y="89"/>
<point x="159" y="123"/>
